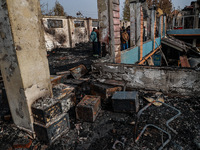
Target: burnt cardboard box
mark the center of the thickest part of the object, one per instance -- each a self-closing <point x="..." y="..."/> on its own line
<point x="124" y="101"/>
<point x="88" y="108"/>
<point x="104" y="90"/>
<point x="50" y="132"/>
<point x="66" y="95"/>
<point x="44" y="110"/>
<point x="78" y="72"/>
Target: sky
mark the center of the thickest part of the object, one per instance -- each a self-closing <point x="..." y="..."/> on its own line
<point x="89" y="7"/>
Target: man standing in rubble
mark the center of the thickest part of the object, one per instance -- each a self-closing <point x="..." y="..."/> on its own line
<point x="94" y="40"/>
<point x="125" y="38"/>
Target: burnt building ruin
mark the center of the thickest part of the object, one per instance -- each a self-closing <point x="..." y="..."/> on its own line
<point x="54" y="94"/>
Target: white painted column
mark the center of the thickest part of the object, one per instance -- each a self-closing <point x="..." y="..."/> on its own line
<point x="24" y="64"/>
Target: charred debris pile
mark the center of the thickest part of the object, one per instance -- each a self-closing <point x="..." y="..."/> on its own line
<point x="88" y="114"/>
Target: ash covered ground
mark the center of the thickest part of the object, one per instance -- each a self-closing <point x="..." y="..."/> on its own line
<point x="110" y="127"/>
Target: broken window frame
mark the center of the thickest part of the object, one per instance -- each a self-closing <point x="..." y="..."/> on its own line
<point x="54" y="23"/>
<point x="79" y="24"/>
<point x="95" y="23"/>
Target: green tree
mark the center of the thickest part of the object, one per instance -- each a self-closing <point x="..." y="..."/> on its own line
<point x="58" y="10"/>
<point x="126" y="11"/>
<point x="165" y="5"/>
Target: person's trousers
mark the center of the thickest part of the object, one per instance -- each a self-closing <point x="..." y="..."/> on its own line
<point x="95" y="47"/>
<point x="125" y="46"/>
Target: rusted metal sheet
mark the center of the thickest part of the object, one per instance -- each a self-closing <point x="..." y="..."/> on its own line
<point x="56" y="79"/>
<point x="79" y="71"/>
<point x="53" y="130"/>
<point x="44" y="110"/>
<point x="104" y="90"/>
<point x="184" y="61"/>
<point x="88" y="108"/>
<point x="125" y="101"/>
<point x="66" y="95"/>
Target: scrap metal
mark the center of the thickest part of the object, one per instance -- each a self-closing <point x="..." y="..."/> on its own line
<point x="79" y="71"/>
<point x="184" y="61"/>
<point x="151" y="125"/>
<point x="44" y="110"/>
<point x="167" y="122"/>
<point x="88" y="108"/>
<point x="51" y="131"/>
<point x="56" y="79"/>
<point x="123" y="101"/>
<point x="66" y="96"/>
<point x="104" y="90"/>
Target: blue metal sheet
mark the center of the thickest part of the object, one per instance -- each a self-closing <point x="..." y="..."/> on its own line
<point x="147" y="48"/>
<point x="131" y="56"/>
<point x="185" y="31"/>
<point x="157" y="59"/>
<point x="158" y="40"/>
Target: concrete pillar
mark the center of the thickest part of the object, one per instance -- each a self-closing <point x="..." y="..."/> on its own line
<point x="116" y="25"/>
<point x="173" y="23"/>
<point x="161" y="26"/>
<point x="165" y="25"/>
<point x="196" y="21"/>
<point x="149" y="25"/>
<point x="24" y="64"/>
<point x="153" y="21"/>
<point x="141" y="34"/>
<point x="138" y="23"/>
<point x="69" y="32"/>
<point x="196" y="24"/>
<point x="133" y="22"/>
<point x="103" y="15"/>
<point x="89" y="27"/>
<point x="109" y="32"/>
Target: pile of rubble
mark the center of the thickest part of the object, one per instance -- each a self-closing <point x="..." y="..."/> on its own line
<point x="86" y="114"/>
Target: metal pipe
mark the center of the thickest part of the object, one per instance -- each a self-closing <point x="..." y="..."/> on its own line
<point x="148" y="125"/>
<point x="168" y="121"/>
